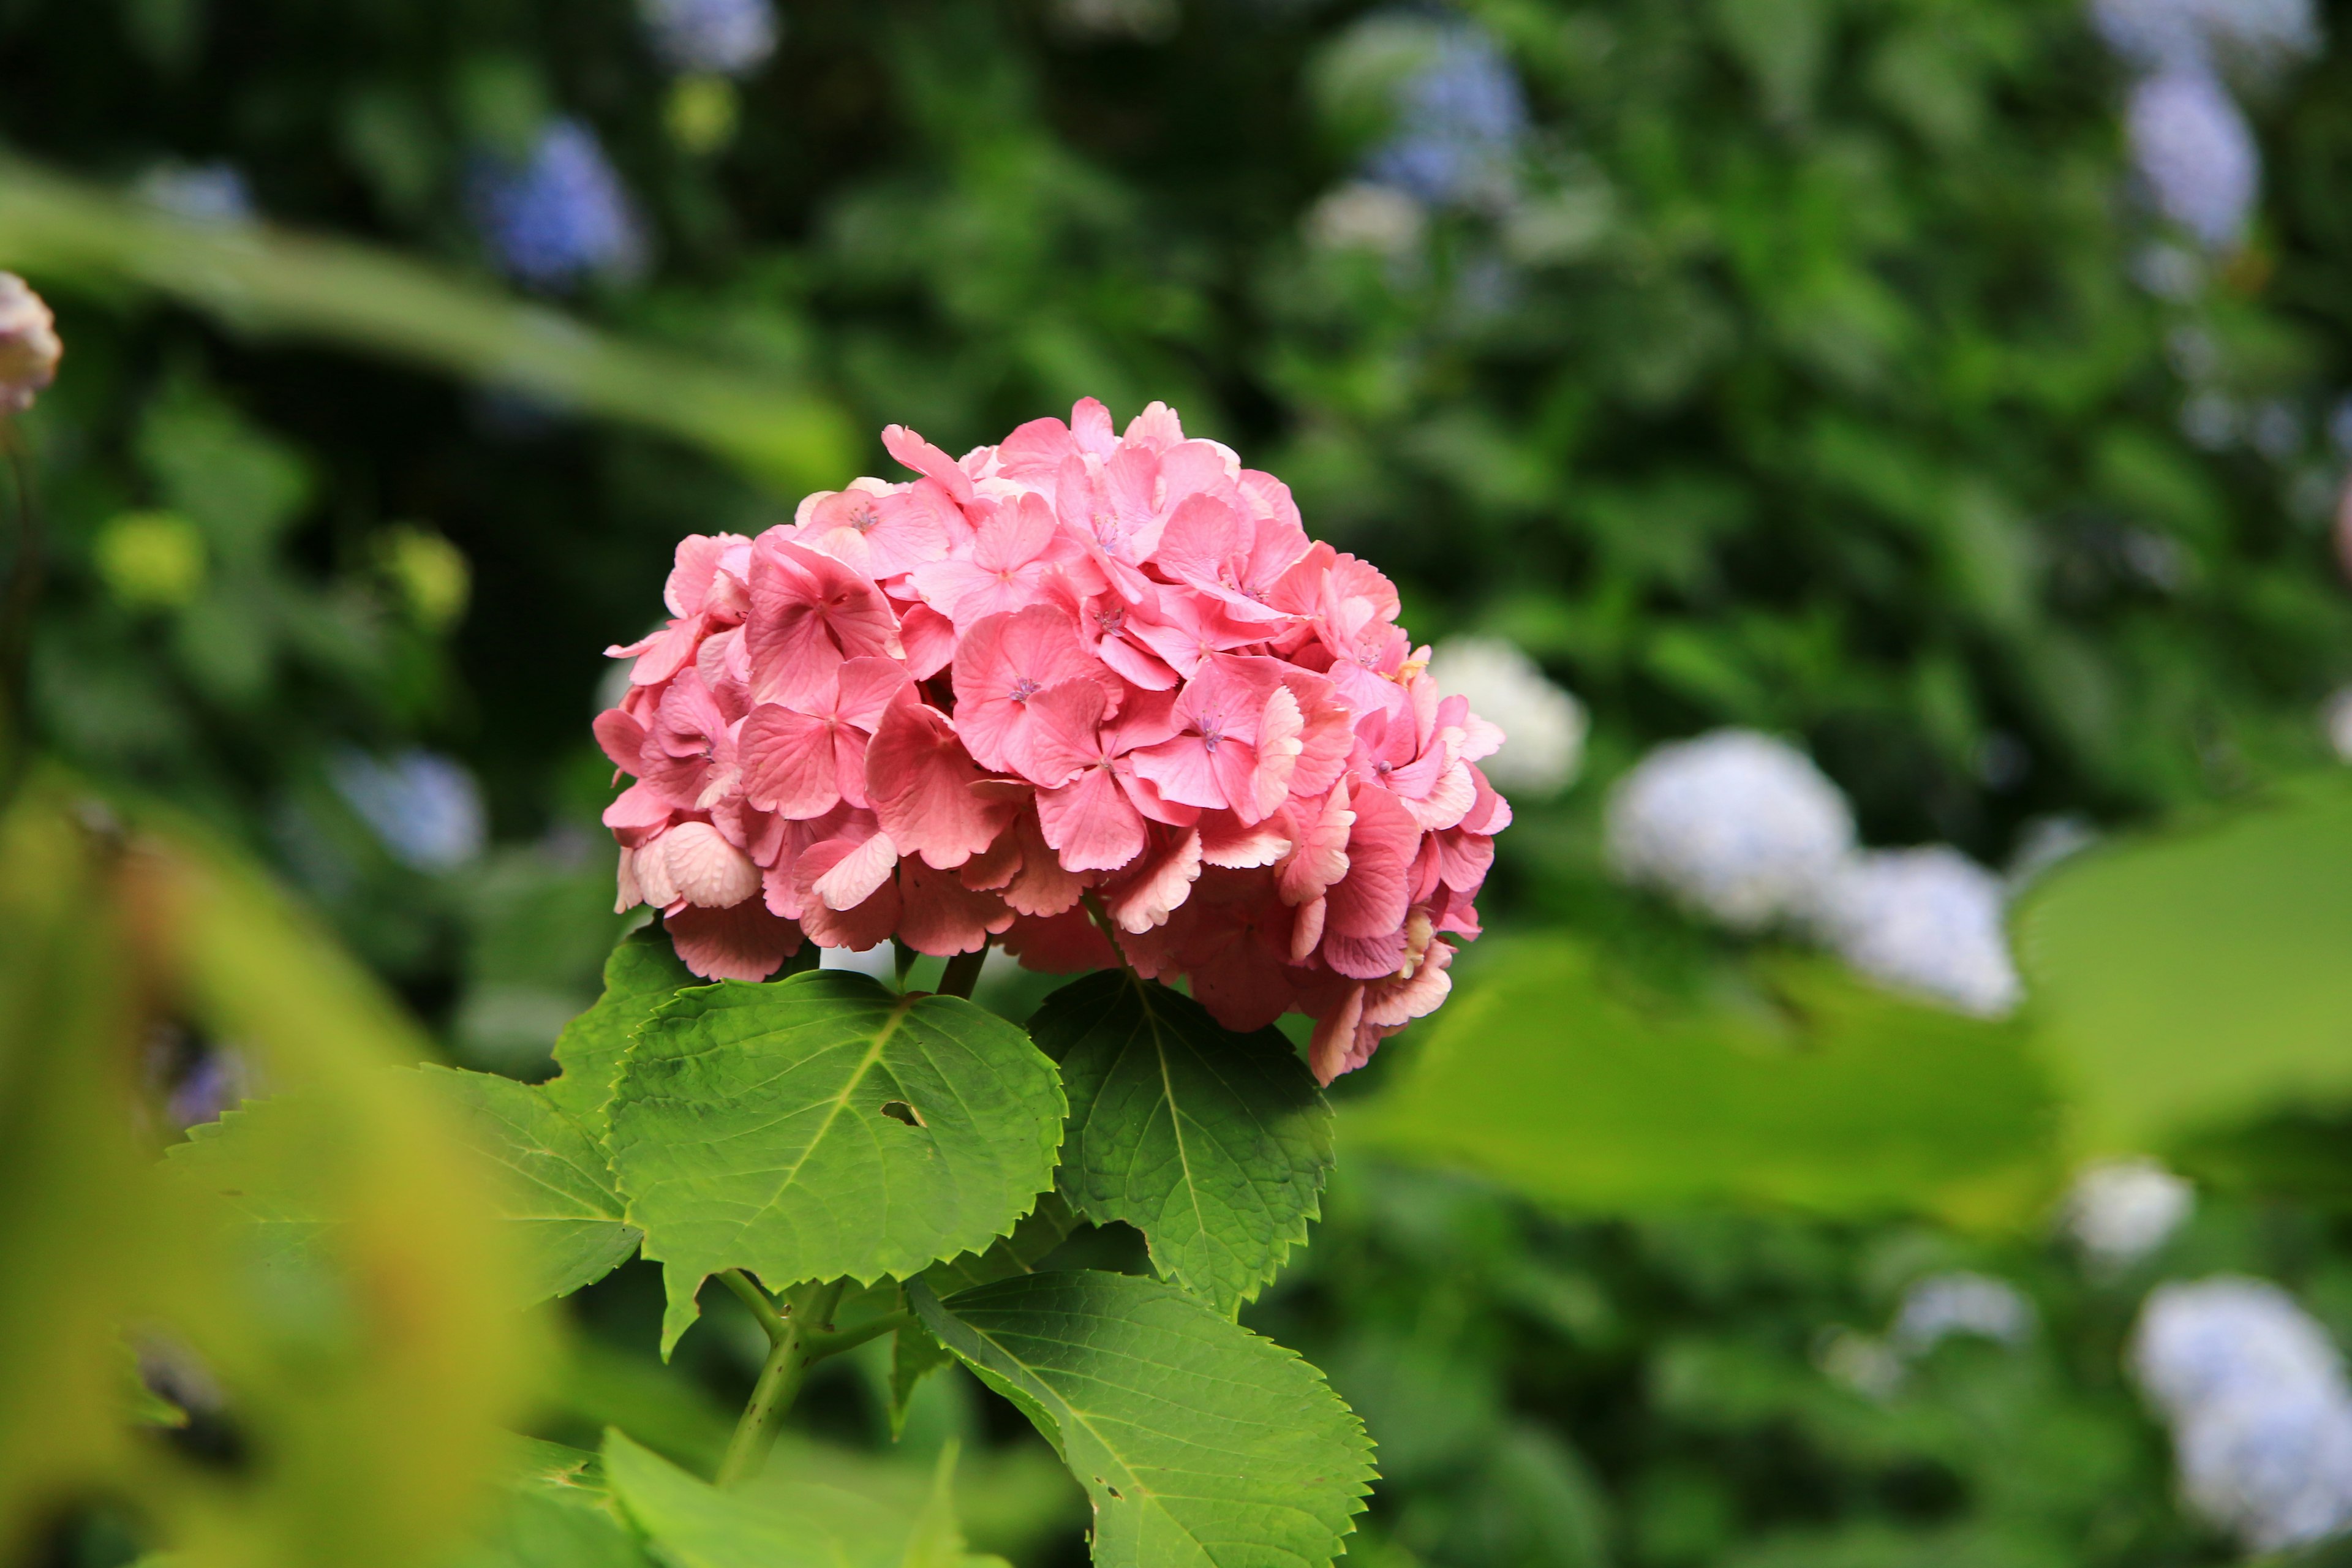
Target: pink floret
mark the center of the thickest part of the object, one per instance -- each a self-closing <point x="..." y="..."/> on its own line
<point x="1081" y="682"/>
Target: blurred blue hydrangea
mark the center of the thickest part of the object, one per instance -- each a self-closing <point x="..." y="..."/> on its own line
<point x="2261" y="1414"/>
<point x="202" y="193"/>
<point x="560" y="214"/>
<point x="718" y="38"/>
<point x="424" y="808"/>
<point x="2196" y="154"/>
<point x="1460" y="116"/>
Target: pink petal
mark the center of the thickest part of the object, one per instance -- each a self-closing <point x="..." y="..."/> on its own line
<point x="1227" y="841"/>
<point x="1158" y="884"/>
<point x="1333" y="1049"/>
<point x="1090" y="428"/>
<point x="622" y="737"/>
<point x="927" y="461"/>
<point x="1067" y="943"/>
<point x="1373" y="898"/>
<point x="788" y="762"/>
<point x="845" y="881"/>
<point x="1090" y="823"/>
<point x="696" y="863"/>
<point x="930" y="639"/>
<point x="919" y="777"/>
<point x="742" y="942"/>
<point x="939" y="915"/>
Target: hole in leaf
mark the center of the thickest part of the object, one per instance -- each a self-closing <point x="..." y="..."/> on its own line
<point x="899" y="1110"/>
<point x="1115" y="1495"/>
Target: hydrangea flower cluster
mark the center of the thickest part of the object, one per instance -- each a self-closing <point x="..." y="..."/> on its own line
<point x="1461" y="116"/>
<point x="1077" y="688"/>
<point x="720" y="37"/>
<point x="560" y="214"/>
<point x="2194" y="151"/>
<point x="1927" y="919"/>
<point x="1741" y="829"/>
<point x="2196" y="154"/>
<point x="1961" y="1302"/>
<point x="2119" y="1211"/>
<point x="2259" y="1410"/>
<point x="1735" y="825"/>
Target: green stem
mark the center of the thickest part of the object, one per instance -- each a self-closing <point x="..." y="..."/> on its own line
<point x="795" y="1345"/>
<point x="962" y="972"/>
<point x="763" y="1306"/>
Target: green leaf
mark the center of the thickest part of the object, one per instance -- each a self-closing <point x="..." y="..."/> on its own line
<point x="1813" y="1090"/>
<point x="641" y="973"/>
<point x="243" y="1160"/>
<point x="1214" y="1145"/>
<point x="557" y="1513"/>
<point x="1198" y="1442"/>
<point x="822" y="1126"/>
<point x="779" y="1522"/>
<point x="1040" y="1231"/>
<point x="914" y="1356"/>
<point x="2200" y="977"/>
<point x="562" y="1208"/>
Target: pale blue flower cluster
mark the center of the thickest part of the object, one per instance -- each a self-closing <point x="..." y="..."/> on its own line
<point x="202" y="193"/>
<point x="2195" y="154"/>
<point x="712" y="38"/>
<point x="560" y="214"/>
<point x="2261" y="1414"/>
<point x="1461" y="116"/>
<point x="1743" y="830"/>
<point x="424" y="807"/>
<point x="1943" y="1306"/>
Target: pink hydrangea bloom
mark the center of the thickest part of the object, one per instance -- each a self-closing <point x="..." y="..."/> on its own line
<point x="1078" y="677"/>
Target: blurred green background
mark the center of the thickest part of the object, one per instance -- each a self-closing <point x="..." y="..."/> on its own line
<point x="1822" y="366"/>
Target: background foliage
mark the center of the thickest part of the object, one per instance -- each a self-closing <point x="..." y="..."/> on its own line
<point x="1793" y="373"/>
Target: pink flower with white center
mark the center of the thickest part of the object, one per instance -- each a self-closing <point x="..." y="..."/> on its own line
<point x="1080" y="668"/>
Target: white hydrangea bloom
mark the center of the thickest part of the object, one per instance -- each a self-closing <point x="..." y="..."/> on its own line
<point x="1734" y="825"/>
<point x="1924" y="921"/>
<point x="2259" y="1410"/>
<point x="2196" y="152"/>
<point x="1961" y="1302"/>
<point x="2336" y="716"/>
<point x="2119" y="1211"/>
<point x="1543" y="726"/>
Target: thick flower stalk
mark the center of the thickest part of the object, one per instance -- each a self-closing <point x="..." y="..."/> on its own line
<point x="1074" y="688"/>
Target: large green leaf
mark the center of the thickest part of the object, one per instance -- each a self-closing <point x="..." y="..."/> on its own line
<point x="641" y="973"/>
<point x="822" y="1126"/>
<point x="782" y="1522"/>
<point x="1814" y="1090"/>
<point x="1214" y="1145"/>
<point x="914" y="1354"/>
<point x="2201" y="977"/>
<point x="1198" y="1442"/>
<point x="561" y="1208"/>
<point x="258" y="276"/>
